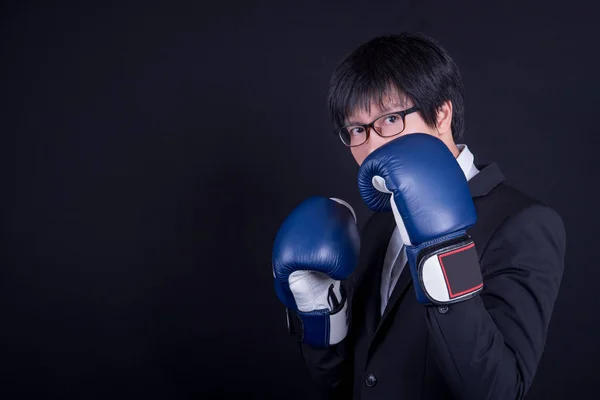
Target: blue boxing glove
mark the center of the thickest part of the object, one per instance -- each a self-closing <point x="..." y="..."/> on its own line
<point x="315" y="249"/>
<point x="419" y="180"/>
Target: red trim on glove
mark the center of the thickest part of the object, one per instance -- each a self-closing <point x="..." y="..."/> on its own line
<point x="450" y="292"/>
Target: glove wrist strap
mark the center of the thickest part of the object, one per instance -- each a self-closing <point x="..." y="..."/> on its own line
<point x="447" y="269"/>
<point x="320" y="328"/>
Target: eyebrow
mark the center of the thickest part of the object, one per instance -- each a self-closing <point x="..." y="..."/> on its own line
<point x="384" y="110"/>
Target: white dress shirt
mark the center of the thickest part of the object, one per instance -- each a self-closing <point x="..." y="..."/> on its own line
<point x="395" y="256"/>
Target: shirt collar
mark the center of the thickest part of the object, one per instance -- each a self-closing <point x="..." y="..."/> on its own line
<point x="466" y="161"/>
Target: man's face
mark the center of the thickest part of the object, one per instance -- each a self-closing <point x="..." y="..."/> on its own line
<point x="413" y="123"/>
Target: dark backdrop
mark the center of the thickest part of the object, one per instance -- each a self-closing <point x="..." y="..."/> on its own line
<point x="150" y="152"/>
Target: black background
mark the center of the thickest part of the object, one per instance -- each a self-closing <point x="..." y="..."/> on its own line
<point x="150" y="151"/>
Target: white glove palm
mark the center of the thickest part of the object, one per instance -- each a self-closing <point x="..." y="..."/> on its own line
<point x="311" y="291"/>
<point x="316" y="291"/>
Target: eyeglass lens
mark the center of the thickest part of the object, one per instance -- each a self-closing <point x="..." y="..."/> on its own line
<point x="386" y="126"/>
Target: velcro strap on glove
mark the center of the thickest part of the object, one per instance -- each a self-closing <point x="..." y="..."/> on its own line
<point x="449" y="271"/>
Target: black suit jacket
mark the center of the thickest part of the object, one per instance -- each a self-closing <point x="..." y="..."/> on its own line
<point x="487" y="347"/>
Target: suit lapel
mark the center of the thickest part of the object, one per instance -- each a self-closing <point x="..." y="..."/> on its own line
<point x="481" y="185"/>
<point x="373" y="303"/>
<point x="486" y="180"/>
<point x="377" y="237"/>
<point x="404" y="280"/>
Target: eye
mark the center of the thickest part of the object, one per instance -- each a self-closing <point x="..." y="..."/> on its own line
<point x="392" y="119"/>
<point x="356" y="130"/>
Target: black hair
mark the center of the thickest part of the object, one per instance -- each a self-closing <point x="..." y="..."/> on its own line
<point x="410" y="64"/>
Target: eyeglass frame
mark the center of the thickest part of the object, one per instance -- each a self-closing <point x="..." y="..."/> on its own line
<point x="371" y="125"/>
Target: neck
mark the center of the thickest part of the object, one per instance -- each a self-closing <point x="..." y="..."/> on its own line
<point x="454" y="149"/>
<point x="448" y="140"/>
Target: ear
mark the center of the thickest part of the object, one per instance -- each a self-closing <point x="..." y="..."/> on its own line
<point x="444" y="118"/>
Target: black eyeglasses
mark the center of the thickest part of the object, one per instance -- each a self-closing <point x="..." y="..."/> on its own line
<point x="387" y="125"/>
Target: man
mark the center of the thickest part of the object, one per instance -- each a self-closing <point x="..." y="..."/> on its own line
<point x="449" y="291"/>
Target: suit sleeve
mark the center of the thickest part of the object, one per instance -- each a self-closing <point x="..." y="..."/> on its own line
<point x="489" y="347"/>
<point x="325" y="367"/>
